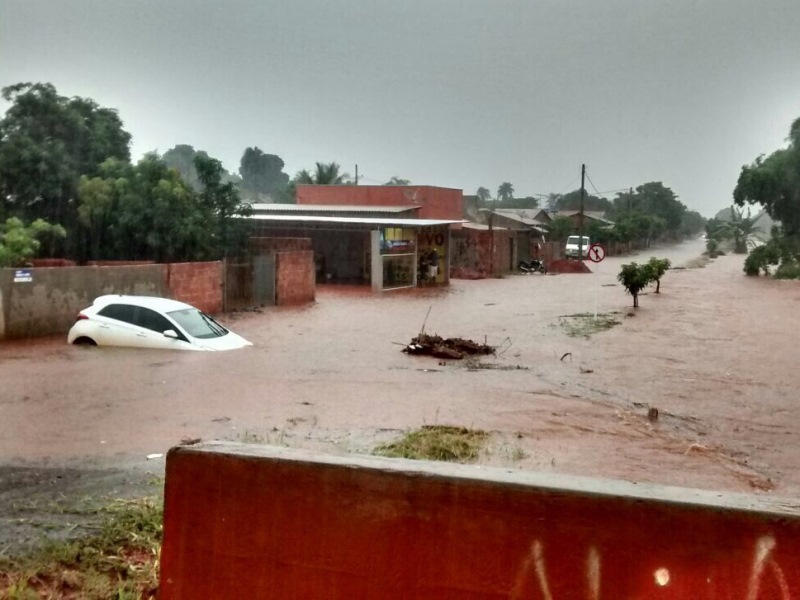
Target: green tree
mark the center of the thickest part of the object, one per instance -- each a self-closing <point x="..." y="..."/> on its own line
<point x="262" y="173"/>
<point x="572" y="201"/>
<point x="181" y="158"/>
<point x="147" y="212"/>
<point x="19" y="242"/>
<point x="774" y="183"/>
<point x="634" y="278"/>
<point x="505" y="191"/>
<point x="527" y="202"/>
<point x="221" y="204"/>
<point x="692" y="223"/>
<point x="658" y="266"/>
<point x="654" y="201"/>
<point x="395" y="180"/>
<point x="559" y="229"/>
<point x="47" y="142"/>
<point x="484" y="196"/>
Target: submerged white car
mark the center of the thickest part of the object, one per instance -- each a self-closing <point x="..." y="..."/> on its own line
<point x="150" y="322"/>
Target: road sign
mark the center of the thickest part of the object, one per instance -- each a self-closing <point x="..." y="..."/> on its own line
<point x="596" y="253"/>
<point x="23" y="276"/>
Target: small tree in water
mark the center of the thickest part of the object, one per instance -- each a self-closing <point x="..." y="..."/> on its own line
<point x="634" y="278"/>
<point x="658" y="266"/>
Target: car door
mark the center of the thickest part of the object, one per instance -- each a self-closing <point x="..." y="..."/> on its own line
<point x="116" y="326"/>
<point x="153" y="325"/>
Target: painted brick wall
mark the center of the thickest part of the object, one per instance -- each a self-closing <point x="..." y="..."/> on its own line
<point x="295" y="278"/>
<point x="434" y="202"/>
<point x="257" y="522"/>
<point x="472" y="254"/>
<point x="198" y="284"/>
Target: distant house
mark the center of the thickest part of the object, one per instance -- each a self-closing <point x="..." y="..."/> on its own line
<point x="588" y="217"/>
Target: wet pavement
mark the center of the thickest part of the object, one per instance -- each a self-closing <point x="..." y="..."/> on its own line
<point x="715" y="353"/>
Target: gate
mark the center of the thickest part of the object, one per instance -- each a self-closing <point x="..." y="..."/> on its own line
<point x="238" y="284"/>
<point x="264" y="279"/>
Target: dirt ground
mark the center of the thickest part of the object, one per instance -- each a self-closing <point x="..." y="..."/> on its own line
<point x="715" y="353"/>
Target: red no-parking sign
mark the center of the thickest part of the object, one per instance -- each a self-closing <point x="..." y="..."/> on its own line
<point x="596" y="253"/>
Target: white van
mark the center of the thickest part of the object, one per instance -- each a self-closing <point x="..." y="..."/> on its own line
<point x="573" y="242"/>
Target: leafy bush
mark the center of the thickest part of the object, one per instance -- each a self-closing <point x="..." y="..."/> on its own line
<point x="788" y="270"/>
<point x="763" y="257"/>
<point x="658" y="266"/>
<point x="712" y="247"/>
<point x="635" y="278"/>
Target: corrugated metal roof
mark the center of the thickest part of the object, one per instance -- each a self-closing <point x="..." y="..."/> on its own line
<point x="353" y="220"/>
<point x="480" y="226"/>
<point x="351" y="208"/>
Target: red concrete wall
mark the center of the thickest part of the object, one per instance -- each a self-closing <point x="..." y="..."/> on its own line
<point x="244" y="521"/>
<point x="434" y="202"/>
<point x="199" y="284"/>
<point x="295" y="278"/>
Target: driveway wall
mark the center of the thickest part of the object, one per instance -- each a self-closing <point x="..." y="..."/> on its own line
<point x="481" y="253"/>
<point x="259" y="522"/>
<point x="295" y="279"/>
<point x="198" y="284"/>
<point x="48" y="304"/>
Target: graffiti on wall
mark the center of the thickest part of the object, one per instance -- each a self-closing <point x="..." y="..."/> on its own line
<point x="761" y="568"/>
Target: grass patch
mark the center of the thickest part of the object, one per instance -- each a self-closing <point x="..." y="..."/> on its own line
<point x="437" y="442"/>
<point x="587" y="324"/>
<point x="120" y="561"/>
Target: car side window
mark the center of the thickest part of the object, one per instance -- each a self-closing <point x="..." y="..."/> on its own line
<point x="120" y="312"/>
<point x="150" y="319"/>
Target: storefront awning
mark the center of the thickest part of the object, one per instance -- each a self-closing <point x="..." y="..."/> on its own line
<point x="376" y="221"/>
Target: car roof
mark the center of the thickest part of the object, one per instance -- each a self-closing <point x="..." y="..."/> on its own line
<point x="152" y="302"/>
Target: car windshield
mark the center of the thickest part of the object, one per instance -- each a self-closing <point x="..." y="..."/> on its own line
<point x="197" y="324"/>
<point x="574" y="239"/>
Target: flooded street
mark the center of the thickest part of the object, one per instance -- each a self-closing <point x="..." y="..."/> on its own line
<point x="714" y="353"/>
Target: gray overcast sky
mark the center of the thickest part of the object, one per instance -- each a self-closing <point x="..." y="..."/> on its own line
<point x="456" y="93"/>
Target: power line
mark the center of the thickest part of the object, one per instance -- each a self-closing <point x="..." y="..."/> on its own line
<point x="598" y="192"/>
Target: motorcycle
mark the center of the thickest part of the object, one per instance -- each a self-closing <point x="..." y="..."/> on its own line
<point x="534" y="266"/>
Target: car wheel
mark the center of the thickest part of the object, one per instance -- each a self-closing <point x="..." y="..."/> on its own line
<point x="84" y="341"/>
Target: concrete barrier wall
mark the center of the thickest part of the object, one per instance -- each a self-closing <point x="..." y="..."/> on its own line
<point x="244" y="521"/>
<point x="295" y="278"/>
<point x="49" y="303"/>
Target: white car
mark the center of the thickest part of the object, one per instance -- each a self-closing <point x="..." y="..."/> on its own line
<point x="574" y="245"/>
<point x="150" y="322"/>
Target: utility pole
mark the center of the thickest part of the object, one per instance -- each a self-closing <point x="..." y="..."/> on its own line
<point x="356" y="174"/>
<point x="580" y="215"/>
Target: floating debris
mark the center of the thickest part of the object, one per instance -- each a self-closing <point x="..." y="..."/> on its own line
<point x="447" y="348"/>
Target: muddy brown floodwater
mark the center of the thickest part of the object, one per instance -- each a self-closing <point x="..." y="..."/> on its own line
<point x="715" y="353"/>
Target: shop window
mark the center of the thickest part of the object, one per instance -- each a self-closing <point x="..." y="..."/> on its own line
<point x="397" y="240"/>
<point x="398" y="271"/>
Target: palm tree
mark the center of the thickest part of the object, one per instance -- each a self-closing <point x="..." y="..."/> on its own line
<point x="324" y="174"/>
<point x="742" y="230"/>
<point x="329" y="174"/>
<point x="505" y="191"/>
